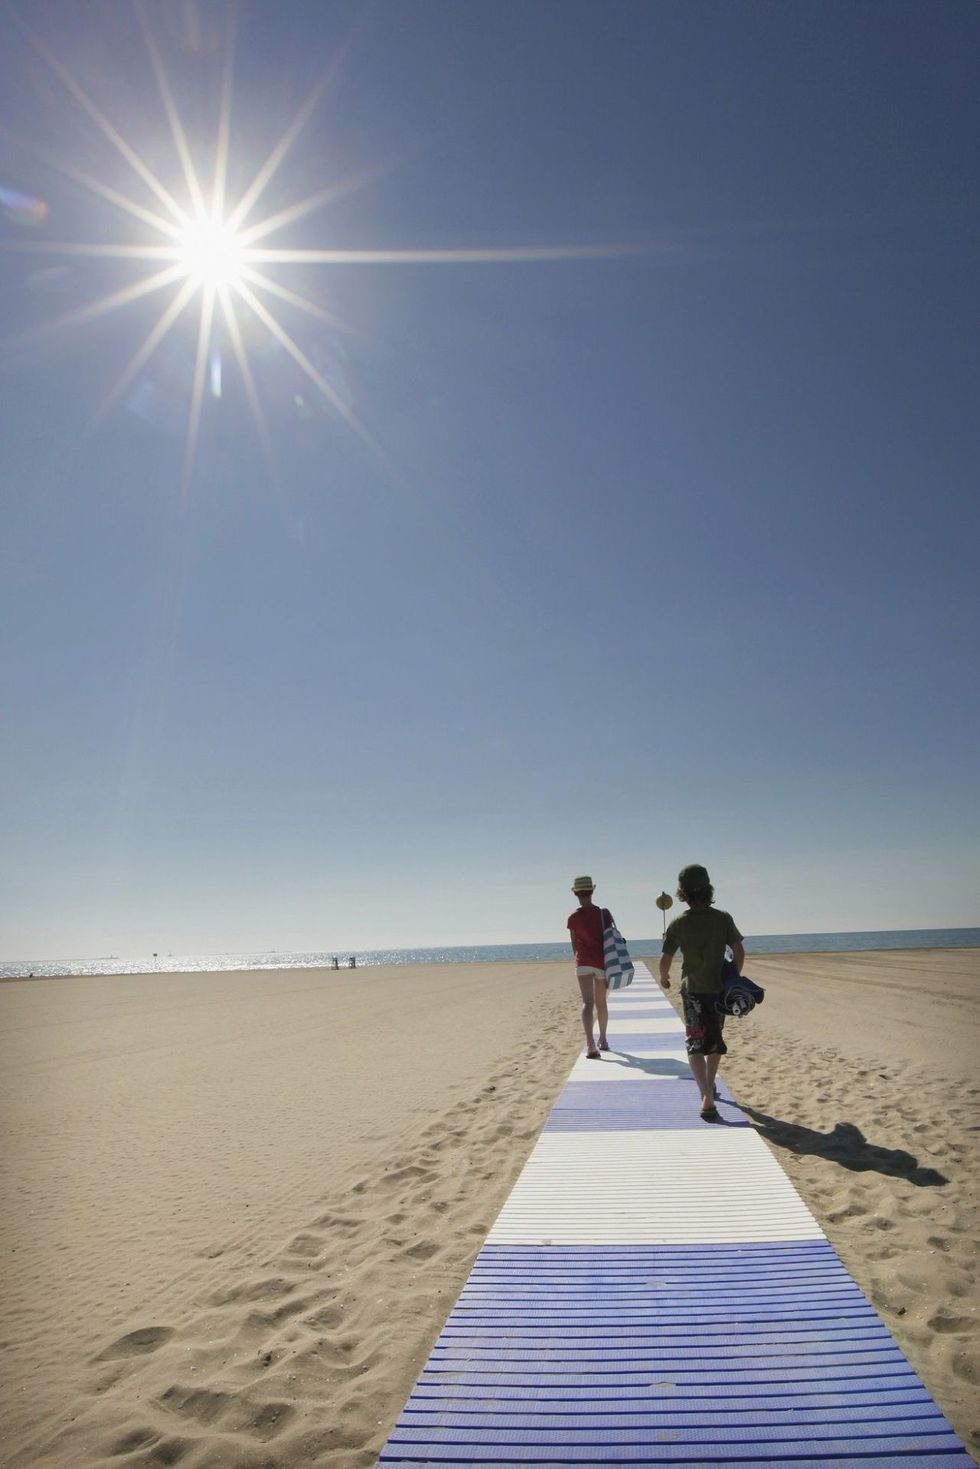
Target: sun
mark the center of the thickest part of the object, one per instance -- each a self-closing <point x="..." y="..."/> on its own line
<point x="211" y="252"/>
<point x="212" y="255"/>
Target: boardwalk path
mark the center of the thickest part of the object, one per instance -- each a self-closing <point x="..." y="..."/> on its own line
<point x="655" y="1292"/>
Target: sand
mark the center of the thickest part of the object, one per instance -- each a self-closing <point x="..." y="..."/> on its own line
<point x="237" y="1208"/>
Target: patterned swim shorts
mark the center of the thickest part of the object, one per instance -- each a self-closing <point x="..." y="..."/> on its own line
<point x="703" y="1025"/>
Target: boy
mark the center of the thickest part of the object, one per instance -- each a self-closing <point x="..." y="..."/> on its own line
<point x="701" y="934"/>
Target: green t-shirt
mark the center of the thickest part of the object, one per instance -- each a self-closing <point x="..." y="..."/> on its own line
<point x="701" y="934"/>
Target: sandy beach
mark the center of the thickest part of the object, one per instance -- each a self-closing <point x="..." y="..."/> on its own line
<point x="236" y="1208"/>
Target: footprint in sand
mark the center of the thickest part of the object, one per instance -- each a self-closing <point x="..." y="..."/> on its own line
<point x="236" y="1412"/>
<point x="204" y="1406"/>
<point x="168" y="1451"/>
<point x="849" y="1211"/>
<point x="306" y="1246"/>
<point x="424" y="1250"/>
<point x="251" y="1290"/>
<point x="325" y="1318"/>
<point x="346" y="1223"/>
<point x="136" y="1343"/>
<point x="943" y="1321"/>
<point x="965" y="1367"/>
<point x="410" y="1171"/>
<point x="277" y="1316"/>
<point x="914" y="1281"/>
<point x="136" y="1438"/>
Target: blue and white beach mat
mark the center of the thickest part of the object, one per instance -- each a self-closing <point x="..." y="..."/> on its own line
<point x="655" y="1292"/>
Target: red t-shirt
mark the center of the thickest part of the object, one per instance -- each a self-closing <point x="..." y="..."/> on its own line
<point x="585" y="926"/>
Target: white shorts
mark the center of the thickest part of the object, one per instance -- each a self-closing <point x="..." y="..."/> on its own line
<point x="587" y="971"/>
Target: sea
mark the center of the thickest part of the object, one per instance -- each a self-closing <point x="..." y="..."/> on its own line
<point x="766" y="943"/>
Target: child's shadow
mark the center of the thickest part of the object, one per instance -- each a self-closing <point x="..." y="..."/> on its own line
<point x="844" y="1144"/>
<point x="654" y="1065"/>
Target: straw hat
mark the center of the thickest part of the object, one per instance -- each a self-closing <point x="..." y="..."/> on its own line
<point x="583" y="885"/>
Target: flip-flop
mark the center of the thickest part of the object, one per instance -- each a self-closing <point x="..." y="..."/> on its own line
<point x="592" y="1056"/>
<point x="603" y="1045"/>
<point x="710" y="1114"/>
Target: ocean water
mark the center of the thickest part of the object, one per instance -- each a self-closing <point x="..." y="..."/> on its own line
<point x="771" y="943"/>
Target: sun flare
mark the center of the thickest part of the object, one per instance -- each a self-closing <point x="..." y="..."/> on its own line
<point x="211" y="253"/>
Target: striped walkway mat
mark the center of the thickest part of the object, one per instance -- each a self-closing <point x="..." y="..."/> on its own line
<point x="655" y="1291"/>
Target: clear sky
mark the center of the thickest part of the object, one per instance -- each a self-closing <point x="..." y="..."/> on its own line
<point x="588" y="564"/>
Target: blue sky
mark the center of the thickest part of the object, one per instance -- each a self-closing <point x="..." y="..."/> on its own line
<point x="662" y="556"/>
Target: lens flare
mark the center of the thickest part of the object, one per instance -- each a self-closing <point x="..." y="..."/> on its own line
<point x="213" y="252"/>
<point x="22" y="209"/>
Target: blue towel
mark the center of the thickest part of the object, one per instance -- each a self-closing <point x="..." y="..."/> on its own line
<point x="739" y="994"/>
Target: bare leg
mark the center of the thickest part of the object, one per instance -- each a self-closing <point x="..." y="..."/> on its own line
<point x="585" y="985"/>
<point x="699" y="1069"/>
<point x="704" y="1071"/>
<point x="602" y="1010"/>
<point x="712" y="1063"/>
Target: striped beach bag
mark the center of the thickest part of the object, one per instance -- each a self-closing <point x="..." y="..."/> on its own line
<point x="619" y="965"/>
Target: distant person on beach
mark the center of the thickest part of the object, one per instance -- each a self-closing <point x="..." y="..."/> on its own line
<point x="586" y="927"/>
<point x="701" y="934"/>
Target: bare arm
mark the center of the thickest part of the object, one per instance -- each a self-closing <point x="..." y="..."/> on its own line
<point x="665" y="963"/>
<point x="739" y="954"/>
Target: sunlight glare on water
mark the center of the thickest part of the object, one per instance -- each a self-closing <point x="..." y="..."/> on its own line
<point x="780" y="943"/>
